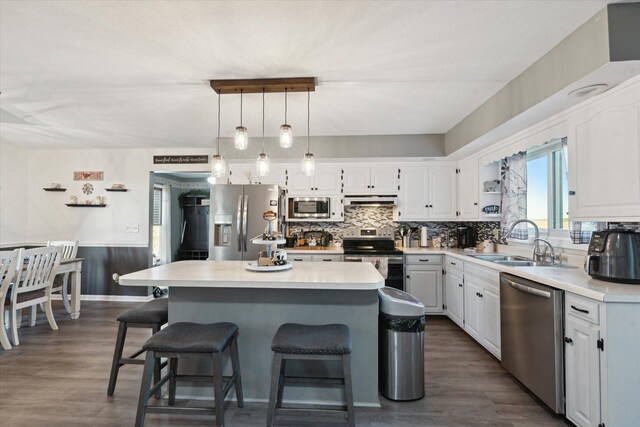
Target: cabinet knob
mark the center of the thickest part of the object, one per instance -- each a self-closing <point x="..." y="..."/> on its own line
<point x="568" y="340"/>
<point x="460" y="284"/>
<point x="572" y="193"/>
<point x="408" y="277"/>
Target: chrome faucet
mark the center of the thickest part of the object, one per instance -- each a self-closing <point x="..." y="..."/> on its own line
<point x="553" y="255"/>
<point x="537" y="255"/>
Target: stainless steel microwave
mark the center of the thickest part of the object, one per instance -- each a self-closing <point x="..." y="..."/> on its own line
<point x="309" y="207"/>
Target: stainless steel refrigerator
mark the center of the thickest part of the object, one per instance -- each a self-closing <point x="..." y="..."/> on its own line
<point x="236" y="217"/>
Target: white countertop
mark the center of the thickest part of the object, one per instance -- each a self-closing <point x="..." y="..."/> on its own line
<point x="330" y="251"/>
<point x="573" y="280"/>
<point x="232" y="274"/>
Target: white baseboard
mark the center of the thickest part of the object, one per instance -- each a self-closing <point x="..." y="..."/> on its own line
<point x="120" y="298"/>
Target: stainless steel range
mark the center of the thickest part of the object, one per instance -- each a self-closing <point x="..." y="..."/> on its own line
<point x="375" y="245"/>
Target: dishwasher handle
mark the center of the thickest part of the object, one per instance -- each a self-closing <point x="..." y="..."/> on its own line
<point x="527" y="289"/>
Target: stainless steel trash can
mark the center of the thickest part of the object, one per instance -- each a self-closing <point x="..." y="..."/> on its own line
<point x="401" y="345"/>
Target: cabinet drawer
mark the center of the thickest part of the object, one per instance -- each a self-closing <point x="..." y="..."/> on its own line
<point x="327" y="258"/>
<point x="455" y="263"/>
<point x="423" y="259"/>
<point x="299" y="257"/>
<point x="583" y="308"/>
<point x="486" y="273"/>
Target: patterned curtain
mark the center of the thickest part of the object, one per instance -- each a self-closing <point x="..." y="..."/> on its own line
<point x="513" y="199"/>
<point x="580" y="231"/>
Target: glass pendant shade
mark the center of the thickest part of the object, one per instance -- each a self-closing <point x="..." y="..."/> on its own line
<point x="263" y="165"/>
<point x="218" y="166"/>
<point x="286" y="136"/>
<point x="241" y="139"/>
<point x="308" y="164"/>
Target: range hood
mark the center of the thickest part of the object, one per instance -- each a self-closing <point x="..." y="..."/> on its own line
<point x="369" y="200"/>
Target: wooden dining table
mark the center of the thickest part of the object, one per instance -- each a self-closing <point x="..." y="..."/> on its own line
<point x="73" y="266"/>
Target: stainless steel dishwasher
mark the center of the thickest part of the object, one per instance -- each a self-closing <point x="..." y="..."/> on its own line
<point x="531" y="331"/>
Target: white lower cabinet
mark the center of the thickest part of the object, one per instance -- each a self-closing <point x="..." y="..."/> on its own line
<point x="478" y="300"/>
<point x="582" y="374"/>
<point x="454" y="295"/>
<point x="582" y="360"/>
<point x="424" y="280"/>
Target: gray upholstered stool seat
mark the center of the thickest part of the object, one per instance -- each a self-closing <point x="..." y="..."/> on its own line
<point x="191" y="340"/>
<point x="185" y="337"/>
<point x="151" y="315"/>
<point x="293" y="338"/>
<point x="310" y="343"/>
<point x="155" y="311"/>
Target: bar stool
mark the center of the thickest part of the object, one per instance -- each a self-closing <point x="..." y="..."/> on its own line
<point x="152" y="315"/>
<point x="307" y="342"/>
<point x="191" y="340"/>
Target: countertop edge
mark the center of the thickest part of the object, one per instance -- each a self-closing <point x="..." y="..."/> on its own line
<point x="527" y="274"/>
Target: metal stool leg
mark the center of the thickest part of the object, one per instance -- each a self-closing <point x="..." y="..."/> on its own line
<point x="348" y="390"/>
<point x="173" y="371"/>
<point x="147" y="374"/>
<point x="283" y="369"/>
<point x="218" y="391"/>
<point x="235" y="363"/>
<point x="273" y="392"/>
<point x="117" y="355"/>
<point x="157" y="372"/>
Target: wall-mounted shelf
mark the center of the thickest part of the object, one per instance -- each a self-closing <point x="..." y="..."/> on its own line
<point x="490" y="192"/>
<point x="54" y="189"/>
<point x="120" y="190"/>
<point x="84" y="205"/>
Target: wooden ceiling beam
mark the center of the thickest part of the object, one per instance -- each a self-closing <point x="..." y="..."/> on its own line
<point x="288" y="84"/>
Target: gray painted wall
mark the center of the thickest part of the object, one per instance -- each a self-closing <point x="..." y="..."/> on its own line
<point x="329" y="147"/>
<point x="580" y="53"/>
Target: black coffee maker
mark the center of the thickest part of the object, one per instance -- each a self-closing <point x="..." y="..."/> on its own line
<point x="465" y="237"/>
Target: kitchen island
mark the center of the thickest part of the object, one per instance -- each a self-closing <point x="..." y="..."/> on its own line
<point x="259" y="302"/>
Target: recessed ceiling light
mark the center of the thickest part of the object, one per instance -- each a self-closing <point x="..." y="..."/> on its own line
<point x="590" y="90"/>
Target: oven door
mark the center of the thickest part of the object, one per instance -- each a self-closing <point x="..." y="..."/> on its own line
<point x="395" y="275"/>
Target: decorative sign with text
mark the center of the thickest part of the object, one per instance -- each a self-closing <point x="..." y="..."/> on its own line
<point x="88" y="176"/>
<point x="173" y="160"/>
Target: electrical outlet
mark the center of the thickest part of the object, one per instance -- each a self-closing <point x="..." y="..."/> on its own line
<point x="132" y="228"/>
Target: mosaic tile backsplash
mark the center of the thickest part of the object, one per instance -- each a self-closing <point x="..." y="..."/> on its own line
<point x="379" y="217"/>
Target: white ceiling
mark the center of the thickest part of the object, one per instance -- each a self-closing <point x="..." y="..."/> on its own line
<point x="116" y="74"/>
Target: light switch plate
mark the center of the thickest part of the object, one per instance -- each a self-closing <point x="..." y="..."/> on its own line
<point x="132" y="228"/>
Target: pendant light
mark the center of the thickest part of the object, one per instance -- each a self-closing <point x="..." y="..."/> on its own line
<point x="263" y="164"/>
<point x="218" y="163"/>
<point x="308" y="161"/>
<point x="286" y="134"/>
<point x="241" y="138"/>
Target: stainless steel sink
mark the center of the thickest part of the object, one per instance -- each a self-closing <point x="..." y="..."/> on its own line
<point x="529" y="263"/>
<point x="495" y="258"/>
<point x="517" y="261"/>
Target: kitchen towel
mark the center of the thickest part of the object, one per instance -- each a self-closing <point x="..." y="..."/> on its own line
<point x="424" y="237"/>
<point x="380" y="263"/>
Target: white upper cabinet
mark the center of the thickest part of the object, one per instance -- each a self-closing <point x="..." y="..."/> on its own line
<point x="427" y="193"/>
<point x="442" y="192"/>
<point x="384" y="180"/>
<point x="604" y="159"/>
<point x="326" y="181"/>
<point x="468" y="189"/>
<point x="277" y="175"/>
<point x="381" y="180"/>
<point x="414" y="184"/>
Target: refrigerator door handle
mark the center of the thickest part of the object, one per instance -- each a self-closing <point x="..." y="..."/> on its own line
<point x="239" y="223"/>
<point x="245" y="208"/>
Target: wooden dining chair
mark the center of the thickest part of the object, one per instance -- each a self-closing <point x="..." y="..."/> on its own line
<point x="8" y="265"/>
<point x="61" y="282"/>
<point x="33" y="283"/>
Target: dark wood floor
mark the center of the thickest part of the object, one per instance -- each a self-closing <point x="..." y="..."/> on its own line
<point x="60" y="379"/>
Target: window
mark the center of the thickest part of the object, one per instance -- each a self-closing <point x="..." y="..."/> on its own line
<point x="157" y="221"/>
<point x="547" y="191"/>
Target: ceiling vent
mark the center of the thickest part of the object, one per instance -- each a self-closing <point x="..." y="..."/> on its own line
<point x="587" y="91"/>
